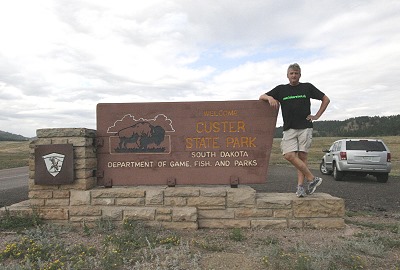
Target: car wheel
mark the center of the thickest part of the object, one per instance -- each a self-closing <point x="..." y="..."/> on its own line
<point x="323" y="169"/>
<point x="337" y="175"/>
<point x="382" y="177"/>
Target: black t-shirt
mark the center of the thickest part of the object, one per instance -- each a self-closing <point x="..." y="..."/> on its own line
<point x="295" y="103"/>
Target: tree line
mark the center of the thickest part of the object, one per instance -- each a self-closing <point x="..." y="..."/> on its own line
<point x="363" y="126"/>
<point x="7" y="136"/>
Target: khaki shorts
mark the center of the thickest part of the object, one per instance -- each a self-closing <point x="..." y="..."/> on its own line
<point x="295" y="140"/>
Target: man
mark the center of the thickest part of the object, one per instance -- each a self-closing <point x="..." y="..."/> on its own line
<point x="297" y="124"/>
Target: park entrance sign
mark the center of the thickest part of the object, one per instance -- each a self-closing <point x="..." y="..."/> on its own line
<point x="184" y="143"/>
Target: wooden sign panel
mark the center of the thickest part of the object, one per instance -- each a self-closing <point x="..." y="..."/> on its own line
<point x="184" y="143"/>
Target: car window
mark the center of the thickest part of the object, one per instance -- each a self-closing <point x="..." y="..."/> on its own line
<point x="336" y="146"/>
<point x="365" y="145"/>
<point x="339" y="146"/>
<point x="332" y="147"/>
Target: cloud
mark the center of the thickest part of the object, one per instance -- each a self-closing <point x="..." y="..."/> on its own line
<point x="58" y="59"/>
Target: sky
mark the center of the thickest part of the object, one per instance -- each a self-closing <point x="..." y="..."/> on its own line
<point x="60" y="58"/>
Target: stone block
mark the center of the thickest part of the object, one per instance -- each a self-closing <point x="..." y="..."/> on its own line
<point x="182" y="192"/>
<point x="31" y="184"/>
<point x="54" y="214"/>
<point x="223" y="223"/>
<point x="112" y="213"/>
<point x="318" y="205"/>
<point x="31" y="166"/>
<point x="282" y="213"/>
<point x="244" y="196"/>
<point x="36" y="202"/>
<point x="216" y="214"/>
<point x="130" y="201"/>
<point x="80" y="141"/>
<point x="163" y="211"/>
<point x="84" y="152"/>
<point x="103" y="201"/>
<point x="59" y="141"/>
<point x="32" y="145"/>
<point x="84" y="219"/>
<point x="43" y="141"/>
<point x="16" y="211"/>
<point x="84" y="173"/>
<point x="80" y="197"/>
<point x="184" y="214"/>
<point x="175" y="201"/>
<point x="65" y="132"/>
<point x="247" y="213"/>
<point x="295" y="223"/>
<point x="118" y="193"/>
<point x="140" y="213"/>
<point x="274" y="200"/>
<point x="213" y="192"/>
<point x="85" y="211"/>
<point x="85" y="163"/>
<point x="163" y="218"/>
<point x="269" y="224"/>
<point x="175" y="225"/>
<point x="40" y="194"/>
<point x="154" y="196"/>
<point x="57" y="202"/>
<point x="60" y="194"/>
<point x="206" y="201"/>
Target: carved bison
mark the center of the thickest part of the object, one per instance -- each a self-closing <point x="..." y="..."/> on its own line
<point x="141" y="135"/>
<point x="157" y="137"/>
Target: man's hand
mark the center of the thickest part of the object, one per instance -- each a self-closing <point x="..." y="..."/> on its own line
<point x="312" y="118"/>
<point x="272" y="102"/>
<point x="322" y="108"/>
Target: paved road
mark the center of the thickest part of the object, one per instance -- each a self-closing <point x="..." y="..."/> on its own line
<point x="359" y="193"/>
<point x="13" y="185"/>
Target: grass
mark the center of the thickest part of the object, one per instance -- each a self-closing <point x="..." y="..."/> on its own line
<point x="14" y="154"/>
<point x="18" y="222"/>
<point x="395" y="228"/>
<point x="136" y="246"/>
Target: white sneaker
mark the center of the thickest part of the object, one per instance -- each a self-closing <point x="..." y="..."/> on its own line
<point x="300" y="192"/>
<point x="313" y="185"/>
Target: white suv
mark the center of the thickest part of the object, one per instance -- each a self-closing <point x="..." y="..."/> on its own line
<point x="357" y="156"/>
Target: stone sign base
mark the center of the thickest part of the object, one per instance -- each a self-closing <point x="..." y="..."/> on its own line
<point x="180" y="207"/>
<point x="187" y="207"/>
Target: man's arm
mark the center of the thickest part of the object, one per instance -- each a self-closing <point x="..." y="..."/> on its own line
<point x="322" y="108"/>
<point x="272" y="102"/>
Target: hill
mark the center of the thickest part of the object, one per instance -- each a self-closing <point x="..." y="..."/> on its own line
<point x="6" y="136"/>
<point x="363" y="126"/>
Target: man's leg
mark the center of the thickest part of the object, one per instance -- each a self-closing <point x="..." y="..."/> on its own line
<point x="300" y="165"/>
<point x="303" y="157"/>
<point x="315" y="181"/>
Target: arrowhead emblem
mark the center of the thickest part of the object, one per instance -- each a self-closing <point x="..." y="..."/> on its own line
<point x="54" y="162"/>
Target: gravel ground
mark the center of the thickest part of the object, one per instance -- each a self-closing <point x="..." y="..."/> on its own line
<point x="359" y="193"/>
